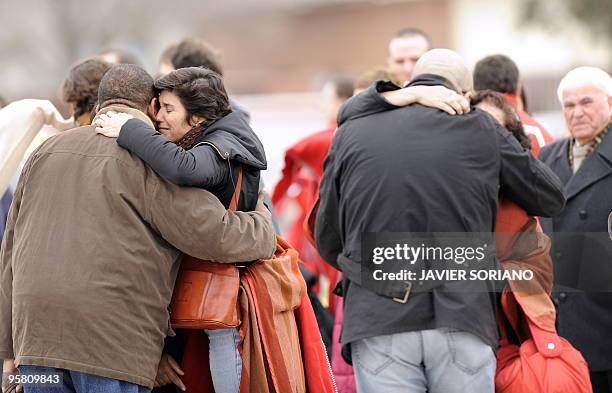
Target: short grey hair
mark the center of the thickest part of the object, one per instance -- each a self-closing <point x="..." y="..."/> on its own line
<point x="582" y="76"/>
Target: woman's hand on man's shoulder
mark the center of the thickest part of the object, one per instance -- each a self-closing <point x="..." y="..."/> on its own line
<point x="109" y="124"/>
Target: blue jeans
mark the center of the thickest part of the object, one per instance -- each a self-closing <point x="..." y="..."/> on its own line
<point x="432" y="361"/>
<point x="225" y="360"/>
<point x="77" y="382"/>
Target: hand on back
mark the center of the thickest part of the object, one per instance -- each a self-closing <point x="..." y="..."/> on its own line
<point x="109" y="124"/>
<point x="439" y="97"/>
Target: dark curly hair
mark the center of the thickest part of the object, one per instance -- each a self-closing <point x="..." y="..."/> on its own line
<point x="512" y="122"/>
<point x="200" y="90"/>
<point x="80" y="88"/>
<point x="126" y="84"/>
<point x="202" y="93"/>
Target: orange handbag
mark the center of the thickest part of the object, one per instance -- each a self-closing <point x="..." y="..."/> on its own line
<point x="544" y="363"/>
<point x="206" y="293"/>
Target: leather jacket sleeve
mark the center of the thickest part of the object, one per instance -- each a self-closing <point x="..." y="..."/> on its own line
<point x="200" y="166"/>
<point x="526" y="180"/>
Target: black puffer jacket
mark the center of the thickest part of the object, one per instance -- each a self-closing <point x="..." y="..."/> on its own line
<point x="212" y="163"/>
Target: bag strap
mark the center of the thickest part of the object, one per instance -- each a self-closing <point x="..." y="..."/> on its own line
<point x="503" y="332"/>
<point x="507" y="318"/>
<point x="548" y="344"/>
<point x="234" y="202"/>
<point x="510" y="313"/>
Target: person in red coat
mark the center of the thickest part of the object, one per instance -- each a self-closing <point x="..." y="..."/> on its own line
<point x="296" y="192"/>
<point x="499" y="73"/>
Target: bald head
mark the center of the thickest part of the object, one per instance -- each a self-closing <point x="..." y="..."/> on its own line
<point x="447" y="64"/>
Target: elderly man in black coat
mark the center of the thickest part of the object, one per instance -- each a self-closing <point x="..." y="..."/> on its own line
<point x="418" y="170"/>
<point x="582" y="250"/>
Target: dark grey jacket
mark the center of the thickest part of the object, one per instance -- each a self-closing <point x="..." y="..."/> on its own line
<point x="418" y="169"/>
<point x="582" y="251"/>
<point x="213" y="161"/>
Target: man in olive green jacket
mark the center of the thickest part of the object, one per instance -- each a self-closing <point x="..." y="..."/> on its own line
<point x="93" y="244"/>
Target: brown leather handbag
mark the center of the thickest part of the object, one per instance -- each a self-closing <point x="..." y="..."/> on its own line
<point x="206" y="293"/>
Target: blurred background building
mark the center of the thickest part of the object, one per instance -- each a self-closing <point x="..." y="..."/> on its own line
<point x="278" y="53"/>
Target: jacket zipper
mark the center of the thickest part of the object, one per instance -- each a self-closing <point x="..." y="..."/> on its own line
<point x="223" y="156"/>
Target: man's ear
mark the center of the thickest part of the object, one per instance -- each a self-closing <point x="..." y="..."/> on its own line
<point x="152" y="108"/>
<point x="519" y="95"/>
<point x="519" y="89"/>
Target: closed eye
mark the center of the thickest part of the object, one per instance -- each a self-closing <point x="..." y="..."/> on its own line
<point x="168" y="108"/>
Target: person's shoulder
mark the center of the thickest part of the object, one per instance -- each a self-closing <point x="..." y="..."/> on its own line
<point x="552" y="148"/>
<point x="483" y="117"/>
<point x="477" y="123"/>
<point x="85" y="141"/>
<point x="232" y="137"/>
<point x="556" y="144"/>
<point x="76" y="132"/>
<point x="67" y="138"/>
<point x="234" y="119"/>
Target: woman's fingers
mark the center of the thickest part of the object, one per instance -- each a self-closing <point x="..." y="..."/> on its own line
<point x="112" y="121"/>
<point x="110" y="132"/>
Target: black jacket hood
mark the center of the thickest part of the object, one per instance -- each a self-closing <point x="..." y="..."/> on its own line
<point x="235" y="139"/>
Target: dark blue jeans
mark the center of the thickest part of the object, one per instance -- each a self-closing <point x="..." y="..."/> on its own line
<point x="76" y="382"/>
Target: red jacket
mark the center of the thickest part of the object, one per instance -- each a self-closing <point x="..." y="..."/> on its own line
<point x="537" y="133"/>
<point x="295" y="195"/>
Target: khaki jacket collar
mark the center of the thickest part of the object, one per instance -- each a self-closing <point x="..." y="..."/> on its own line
<point x="126" y="109"/>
